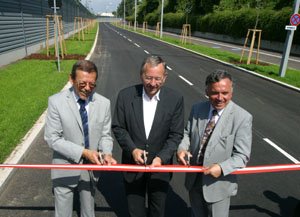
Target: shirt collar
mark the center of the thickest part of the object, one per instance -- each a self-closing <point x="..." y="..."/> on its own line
<point x="145" y="96"/>
<point x="218" y="111"/>
<point x="76" y="97"/>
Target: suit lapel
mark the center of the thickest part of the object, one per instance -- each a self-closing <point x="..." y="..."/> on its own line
<point x="203" y="121"/>
<point x="92" y="109"/>
<point x="158" y="117"/>
<point x="137" y="105"/>
<point x="222" y="122"/>
<point x="73" y="107"/>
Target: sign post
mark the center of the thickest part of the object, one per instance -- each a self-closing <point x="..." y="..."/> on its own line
<point x="295" y="20"/>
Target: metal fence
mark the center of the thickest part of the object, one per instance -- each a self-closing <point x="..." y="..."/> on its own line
<point x="23" y="25"/>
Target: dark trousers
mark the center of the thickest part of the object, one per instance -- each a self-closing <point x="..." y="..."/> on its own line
<point x="154" y="190"/>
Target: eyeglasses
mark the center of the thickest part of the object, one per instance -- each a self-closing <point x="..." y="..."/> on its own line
<point x="150" y="78"/>
<point x="83" y="84"/>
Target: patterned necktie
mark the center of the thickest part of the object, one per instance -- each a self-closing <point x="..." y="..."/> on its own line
<point x="84" y="119"/>
<point x="206" y="135"/>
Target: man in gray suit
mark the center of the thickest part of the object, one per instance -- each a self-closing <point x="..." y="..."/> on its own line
<point x="78" y="126"/>
<point x="221" y="151"/>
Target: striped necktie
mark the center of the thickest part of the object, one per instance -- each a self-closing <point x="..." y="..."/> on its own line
<point x="206" y="135"/>
<point x="84" y="119"/>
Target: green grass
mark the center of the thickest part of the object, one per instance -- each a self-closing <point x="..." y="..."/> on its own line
<point x="75" y="46"/>
<point x="292" y="76"/>
<point x="25" y="87"/>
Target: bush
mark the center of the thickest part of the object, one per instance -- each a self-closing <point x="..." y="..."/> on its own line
<point x="237" y="23"/>
<point x="174" y="20"/>
<point x="152" y="18"/>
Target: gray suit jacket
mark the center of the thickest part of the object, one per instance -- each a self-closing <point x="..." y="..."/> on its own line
<point x="64" y="132"/>
<point x="229" y="146"/>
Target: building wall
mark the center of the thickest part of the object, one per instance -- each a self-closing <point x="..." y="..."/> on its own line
<point x="23" y="25"/>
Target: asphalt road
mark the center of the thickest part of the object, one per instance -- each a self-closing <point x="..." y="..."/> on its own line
<point x="275" y="109"/>
<point x="264" y="56"/>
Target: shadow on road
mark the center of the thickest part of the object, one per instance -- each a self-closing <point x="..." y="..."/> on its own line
<point x="289" y="206"/>
<point x="112" y="188"/>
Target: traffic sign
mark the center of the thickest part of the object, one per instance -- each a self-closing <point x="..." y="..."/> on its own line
<point x="295" y="19"/>
<point x="290" y="27"/>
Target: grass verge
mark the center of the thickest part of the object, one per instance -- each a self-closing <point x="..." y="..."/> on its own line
<point x="25" y="87"/>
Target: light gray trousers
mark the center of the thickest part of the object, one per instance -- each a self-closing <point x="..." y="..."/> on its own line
<point x="64" y="198"/>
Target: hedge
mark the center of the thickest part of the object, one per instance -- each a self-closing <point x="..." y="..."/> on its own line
<point x="234" y="23"/>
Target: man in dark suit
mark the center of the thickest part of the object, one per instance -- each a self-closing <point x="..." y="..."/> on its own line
<point x="148" y="124"/>
<point x="75" y="140"/>
<point x="218" y="135"/>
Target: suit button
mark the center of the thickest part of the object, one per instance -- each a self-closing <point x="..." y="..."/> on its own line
<point x="147" y="146"/>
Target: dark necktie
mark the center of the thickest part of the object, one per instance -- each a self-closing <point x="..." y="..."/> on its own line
<point x="84" y="119"/>
<point x="206" y="135"/>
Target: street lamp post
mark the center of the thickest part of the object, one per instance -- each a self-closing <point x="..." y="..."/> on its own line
<point x="135" y="15"/>
<point x="56" y="34"/>
<point x="124" y="15"/>
<point x="161" y="18"/>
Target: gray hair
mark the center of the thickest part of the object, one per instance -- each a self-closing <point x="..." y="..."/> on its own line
<point x="153" y="61"/>
<point x="217" y="76"/>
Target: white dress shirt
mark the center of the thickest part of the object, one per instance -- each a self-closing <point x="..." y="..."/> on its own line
<point x="219" y="113"/>
<point x="76" y="97"/>
<point x="149" y="108"/>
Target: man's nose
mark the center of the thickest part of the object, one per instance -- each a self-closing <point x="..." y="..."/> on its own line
<point x="88" y="87"/>
<point x="153" y="82"/>
<point x="220" y="96"/>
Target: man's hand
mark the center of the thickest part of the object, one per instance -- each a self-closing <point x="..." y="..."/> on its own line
<point x="156" y="162"/>
<point x="214" y="170"/>
<point x="91" y="155"/>
<point x="108" y="159"/>
<point x="137" y="155"/>
<point x="181" y="157"/>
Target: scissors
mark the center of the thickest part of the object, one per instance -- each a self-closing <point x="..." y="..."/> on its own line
<point x="145" y="157"/>
<point x="188" y="159"/>
<point x="101" y="157"/>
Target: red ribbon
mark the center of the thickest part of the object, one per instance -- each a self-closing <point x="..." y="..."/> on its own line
<point x="161" y="169"/>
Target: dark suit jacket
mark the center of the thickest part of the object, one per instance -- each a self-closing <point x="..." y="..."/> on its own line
<point x="166" y="132"/>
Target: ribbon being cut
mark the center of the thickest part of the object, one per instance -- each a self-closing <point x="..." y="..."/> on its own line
<point x="142" y="168"/>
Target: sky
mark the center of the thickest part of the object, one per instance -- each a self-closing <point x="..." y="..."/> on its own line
<point x="102" y="6"/>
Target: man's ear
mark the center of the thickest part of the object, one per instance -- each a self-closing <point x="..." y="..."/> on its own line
<point x="70" y="79"/>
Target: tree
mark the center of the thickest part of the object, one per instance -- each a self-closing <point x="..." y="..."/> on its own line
<point x="129" y="8"/>
<point x="186" y="7"/>
<point x="203" y="7"/>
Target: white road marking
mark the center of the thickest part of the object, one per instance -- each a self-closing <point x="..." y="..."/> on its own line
<point x="137" y="45"/>
<point x="191" y="84"/>
<point x="146" y="52"/>
<point x="169" y="68"/>
<point x="281" y="150"/>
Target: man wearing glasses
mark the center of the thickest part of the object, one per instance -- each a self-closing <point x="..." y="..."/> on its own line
<point x="78" y="130"/>
<point x="148" y="124"/>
